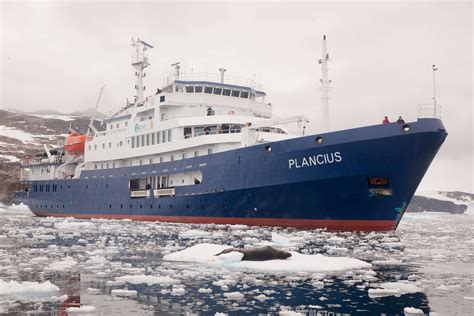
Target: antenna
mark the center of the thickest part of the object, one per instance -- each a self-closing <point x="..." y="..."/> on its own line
<point x="177" y="67"/>
<point x="434" y="83"/>
<point x="324" y="87"/>
<point x="222" y="71"/>
<point x="140" y="62"/>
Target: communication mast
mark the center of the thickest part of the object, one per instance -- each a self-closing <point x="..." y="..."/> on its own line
<point x="324" y="87"/>
<point x="140" y="62"/>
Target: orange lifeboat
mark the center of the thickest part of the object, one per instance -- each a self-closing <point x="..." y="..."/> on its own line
<point x="75" y="143"/>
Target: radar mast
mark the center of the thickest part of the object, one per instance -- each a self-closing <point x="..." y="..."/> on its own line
<point x="324" y="87"/>
<point x="140" y="62"/>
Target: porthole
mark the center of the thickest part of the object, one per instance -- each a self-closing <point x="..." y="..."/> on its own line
<point x="87" y="186"/>
<point x="318" y="140"/>
<point x="110" y="206"/>
<point x="187" y="206"/>
<point x="121" y="205"/>
<point x="171" y="205"/>
<point x="151" y="206"/>
<point x="141" y="206"/>
<point x="159" y="205"/>
<point x="130" y="205"/>
<point x="268" y="148"/>
<point x="63" y="206"/>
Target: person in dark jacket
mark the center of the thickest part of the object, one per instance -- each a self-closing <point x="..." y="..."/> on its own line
<point x="400" y="120"/>
<point x="385" y="121"/>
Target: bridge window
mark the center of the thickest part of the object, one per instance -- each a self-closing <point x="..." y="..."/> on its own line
<point x="163" y="138"/>
<point x="169" y="135"/>
<point x="218" y="91"/>
<point x="162" y="98"/>
<point x="158" y="140"/>
<point x="244" y="94"/>
<point x="235" y="93"/>
<point x="143" y="140"/>
<point x="198" y="89"/>
<point x="226" y="92"/>
<point x="189" y="89"/>
<point x="208" y="90"/>
<point x="148" y="139"/>
<point x="153" y="138"/>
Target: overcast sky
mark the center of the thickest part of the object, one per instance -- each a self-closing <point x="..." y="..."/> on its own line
<point x="56" y="55"/>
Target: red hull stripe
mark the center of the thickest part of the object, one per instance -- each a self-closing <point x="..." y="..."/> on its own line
<point x="351" y="225"/>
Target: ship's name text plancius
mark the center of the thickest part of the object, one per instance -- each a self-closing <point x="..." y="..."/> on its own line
<point x="310" y="161"/>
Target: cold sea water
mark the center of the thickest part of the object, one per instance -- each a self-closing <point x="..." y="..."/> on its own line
<point x="55" y="266"/>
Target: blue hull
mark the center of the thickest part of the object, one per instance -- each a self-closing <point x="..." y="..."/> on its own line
<point x="298" y="183"/>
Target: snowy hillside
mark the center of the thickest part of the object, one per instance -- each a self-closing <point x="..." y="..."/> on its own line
<point x="441" y="201"/>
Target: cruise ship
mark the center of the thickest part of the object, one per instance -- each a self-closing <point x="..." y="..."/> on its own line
<point x="207" y="148"/>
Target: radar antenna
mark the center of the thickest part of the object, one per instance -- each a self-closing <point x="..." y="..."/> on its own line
<point x="177" y="67"/>
<point x="324" y="87"/>
<point x="140" y="62"/>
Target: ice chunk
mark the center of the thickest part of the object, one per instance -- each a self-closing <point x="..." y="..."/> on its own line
<point x="26" y="289"/>
<point x="148" y="279"/>
<point x="126" y="293"/>
<point x="85" y="309"/>
<point x="412" y="311"/>
<point x="375" y="293"/>
<point x="197" y="253"/>
<point x="62" y="265"/>
<point x="234" y="296"/>
<point x="394" y="288"/>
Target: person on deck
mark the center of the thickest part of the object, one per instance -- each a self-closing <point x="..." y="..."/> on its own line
<point x="385" y="121"/>
<point x="400" y="120"/>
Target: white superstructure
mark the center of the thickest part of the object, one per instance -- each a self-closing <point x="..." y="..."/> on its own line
<point x="193" y="114"/>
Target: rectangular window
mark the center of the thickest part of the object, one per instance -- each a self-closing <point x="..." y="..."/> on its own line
<point x="141" y="162"/>
<point x="120" y="143"/>
<point x="151" y="161"/>
<point x="162" y="98"/>
<point x="153" y="138"/>
<point x="133" y="142"/>
<point x="218" y="91"/>
<point x="95" y="166"/>
<point x="196" y="153"/>
<point x="90" y="147"/>
<point x="143" y="140"/>
<point x="110" y="145"/>
<point x="111" y="126"/>
<point x="161" y="159"/>
<point x="172" y="158"/>
<point x="235" y="93"/>
<point x="103" y="145"/>
<point x="209" y="151"/>
<point x="101" y="166"/>
<point x="169" y="135"/>
<point x="95" y="147"/>
<point x="198" y="89"/>
<point x="183" y="156"/>
<point x="113" y="164"/>
<point x="158" y="139"/>
<point x="107" y="166"/>
<point x="163" y="139"/>
<point x="138" y="141"/>
<point x="378" y="181"/>
<point x="244" y="94"/>
<point x="189" y="89"/>
<point x="226" y="92"/>
<point x="208" y="90"/>
<point x="148" y="139"/>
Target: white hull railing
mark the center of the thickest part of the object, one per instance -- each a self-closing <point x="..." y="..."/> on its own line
<point x="429" y="110"/>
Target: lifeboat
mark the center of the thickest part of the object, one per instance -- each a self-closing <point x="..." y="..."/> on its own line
<point x="75" y="143"/>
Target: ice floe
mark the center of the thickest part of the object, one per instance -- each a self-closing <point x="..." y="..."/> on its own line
<point x="26" y="289"/>
<point x="206" y="253"/>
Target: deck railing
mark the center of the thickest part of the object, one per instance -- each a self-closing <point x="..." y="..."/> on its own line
<point x="429" y="110"/>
